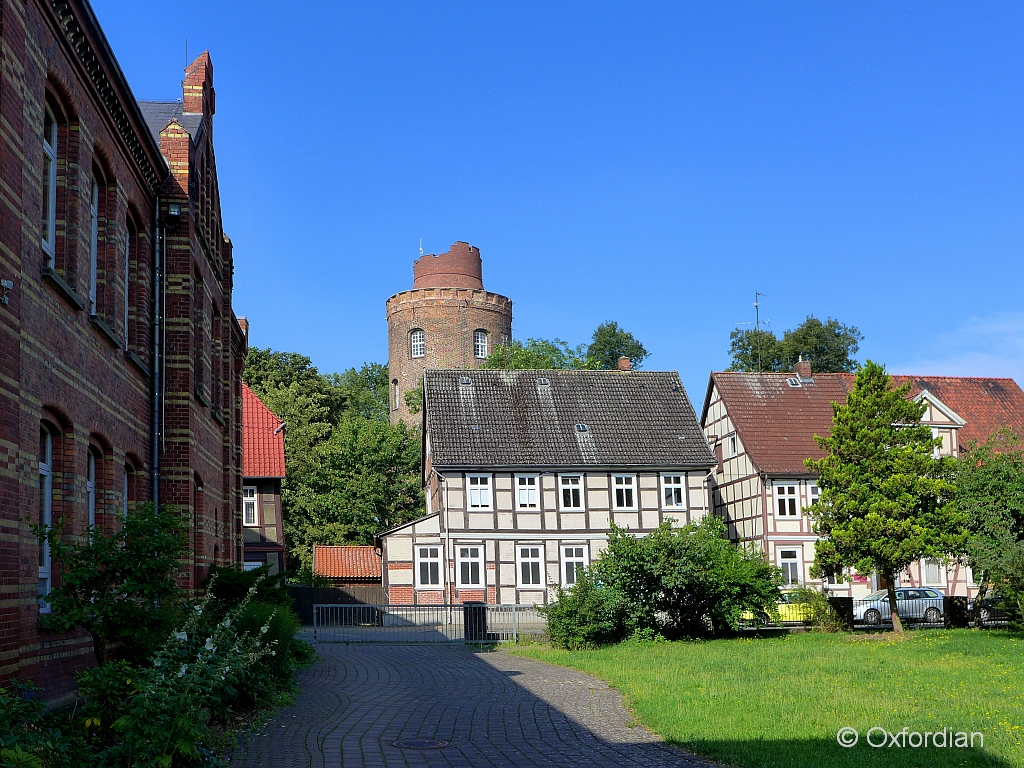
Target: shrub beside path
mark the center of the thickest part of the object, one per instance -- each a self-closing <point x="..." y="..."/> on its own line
<point x="494" y="708"/>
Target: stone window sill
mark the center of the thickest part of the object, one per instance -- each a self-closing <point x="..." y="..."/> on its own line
<point x="137" y="361"/>
<point x="62" y="287"/>
<point x="105" y="331"/>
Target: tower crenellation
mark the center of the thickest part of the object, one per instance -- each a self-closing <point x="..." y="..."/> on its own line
<point x="446" y="320"/>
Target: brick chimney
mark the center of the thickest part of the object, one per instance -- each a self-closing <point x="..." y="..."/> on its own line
<point x="624" y="363"/>
<point x="802" y="368"/>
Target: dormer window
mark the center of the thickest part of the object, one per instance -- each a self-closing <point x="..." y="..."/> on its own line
<point x="794" y="381"/>
<point x="417" y="343"/>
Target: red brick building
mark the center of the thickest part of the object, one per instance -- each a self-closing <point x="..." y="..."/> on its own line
<point x="120" y="356"/>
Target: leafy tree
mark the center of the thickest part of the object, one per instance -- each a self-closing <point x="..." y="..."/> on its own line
<point x="830" y="347"/>
<point x="362" y="480"/>
<point x="885" y="498"/>
<point x="113" y="585"/>
<point x="689" y="581"/>
<point x="535" y="354"/>
<point x="363" y="392"/>
<point x="610" y="342"/>
<point x="990" y="492"/>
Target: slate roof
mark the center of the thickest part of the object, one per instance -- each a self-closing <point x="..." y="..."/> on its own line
<point x="338" y="562"/>
<point x="262" y="450"/>
<point x="159" y="113"/>
<point x="513" y="419"/>
<point x="776" y="423"/>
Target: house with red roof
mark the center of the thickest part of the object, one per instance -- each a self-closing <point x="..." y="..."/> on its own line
<point x="263" y="469"/>
<point x="761" y="427"/>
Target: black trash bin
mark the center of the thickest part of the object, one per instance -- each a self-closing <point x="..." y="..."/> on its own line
<point x="474" y="617"/>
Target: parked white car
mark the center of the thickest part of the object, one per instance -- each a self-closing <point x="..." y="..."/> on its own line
<point x="921" y="604"/>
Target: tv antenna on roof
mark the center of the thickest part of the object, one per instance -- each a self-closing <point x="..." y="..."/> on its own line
<point x="757" y="326"/>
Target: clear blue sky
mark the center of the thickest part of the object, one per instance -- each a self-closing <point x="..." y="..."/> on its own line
<point x="651" y="164"/>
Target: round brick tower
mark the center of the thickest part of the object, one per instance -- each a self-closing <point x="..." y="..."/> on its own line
<point x="447" y="320"/>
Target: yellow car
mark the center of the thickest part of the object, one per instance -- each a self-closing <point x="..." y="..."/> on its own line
<point x="790" y="610"/>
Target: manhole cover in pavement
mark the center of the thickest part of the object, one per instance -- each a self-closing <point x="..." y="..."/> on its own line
<point x="421" y="744"/>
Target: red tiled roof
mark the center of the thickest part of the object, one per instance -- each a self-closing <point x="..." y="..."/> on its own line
<point x="777" y="423"/>
<point x="262" y="449"/>
<point x="337" y="562"/>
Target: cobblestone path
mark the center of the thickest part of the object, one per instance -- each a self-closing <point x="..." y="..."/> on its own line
<point x="495" y="709"/>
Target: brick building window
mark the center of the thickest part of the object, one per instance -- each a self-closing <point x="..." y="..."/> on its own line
<point x="49" y="228"/>
<point x="480" y="344"/>
<point x="46" y="453"/>
<point x="129" y="236"/>
<point x="90" y="486"/>
<point x="199" y="339"/>
<point x="417" y="343"/>
<point x="572" y="494"/>
<point x="624" y="497"/>
<point x="128" y="492"/>
<point x="94" y="245"/>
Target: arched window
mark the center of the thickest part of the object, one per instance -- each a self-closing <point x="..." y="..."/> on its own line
<point x="417" y="343"/>
<point x="128" y="491"/>
<point x="49" y="231"/>
<point x="45" y="510"/>
<point x="90" y="485"/>
<point x="394" y="394"/>
<point x="128" y="238"/>
<point x="480" y="344"/>
<point x="94" y="244"/>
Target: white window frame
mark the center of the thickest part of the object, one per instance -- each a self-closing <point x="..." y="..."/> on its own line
<point x="579" y="486"/>
<point x="250" y="496"/>
<point x="799" y="560"/>
<point x="49" y="238"/>
<point x="733" y="444"/>
<point x="124" y="494"/>
<point x="794" y="497"/>
<point x="470" y="491"/>
<point x="629" y="489"/>
<point x="668" y="482"/>
<point x="94" y="245"/>
<point x="480" y="344"/>
<point x="464" y="556"/>
<point x="531" y="491"/>
<point x="90" y="486"/>
<point x="252" y="565"/>
<point x="813" y="492"/>
<point x="417" y="343"/>
<point x="924" y="574"/>
<point x="566" y="558"/>
<point x="433" y="556"/>
<point x="539" y="560"/>
<point x="45" y="515"/>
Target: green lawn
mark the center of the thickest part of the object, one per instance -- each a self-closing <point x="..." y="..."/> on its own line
<point x="780" y="701"/>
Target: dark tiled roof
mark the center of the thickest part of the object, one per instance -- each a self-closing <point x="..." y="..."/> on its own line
<point x="513" y="419"/>
<point x="159" y="113"/>
<point x="262" y="438"/>
<point x="344" y="562"/>
<point x="777" y="423"/>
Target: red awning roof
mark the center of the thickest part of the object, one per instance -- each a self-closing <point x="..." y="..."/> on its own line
<point x="337" y="562"/>
<point x="262" y="449"/>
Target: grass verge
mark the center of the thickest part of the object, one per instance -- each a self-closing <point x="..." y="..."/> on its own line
<point x="780" y="701"/>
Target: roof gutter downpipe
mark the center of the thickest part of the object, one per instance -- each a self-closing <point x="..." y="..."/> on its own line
<point x="159" y="238"/>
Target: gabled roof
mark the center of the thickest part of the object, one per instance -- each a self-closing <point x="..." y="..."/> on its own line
<point x="159" y="113"/>
<point x="343" y="562"/>
<point x="777" y="422"/>
<point x="262" y="438"/>
<point x="562" y="418"/>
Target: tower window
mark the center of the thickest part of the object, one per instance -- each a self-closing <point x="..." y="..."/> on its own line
<point x="480" y="344"/>
<point x="417" y="343"/>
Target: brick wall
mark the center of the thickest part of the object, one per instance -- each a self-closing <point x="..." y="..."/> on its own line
<point x="79" y="372"/>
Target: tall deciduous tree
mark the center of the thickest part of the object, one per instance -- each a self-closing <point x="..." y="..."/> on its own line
<point x="885" y="498"/>
<point x="117" y="586"/>
<point x="990" y="491"/>
<point x="610" y="342"/>
<point x="830" y="347"/>
<point x="537" y="354"/>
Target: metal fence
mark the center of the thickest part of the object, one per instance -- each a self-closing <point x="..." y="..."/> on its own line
<point x="468" y="623"/>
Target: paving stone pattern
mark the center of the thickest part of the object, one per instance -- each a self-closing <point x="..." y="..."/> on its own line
<point x="496" y="709"/>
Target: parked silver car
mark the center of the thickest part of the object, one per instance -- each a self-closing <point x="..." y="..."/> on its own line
<point x="921" y="604"/>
